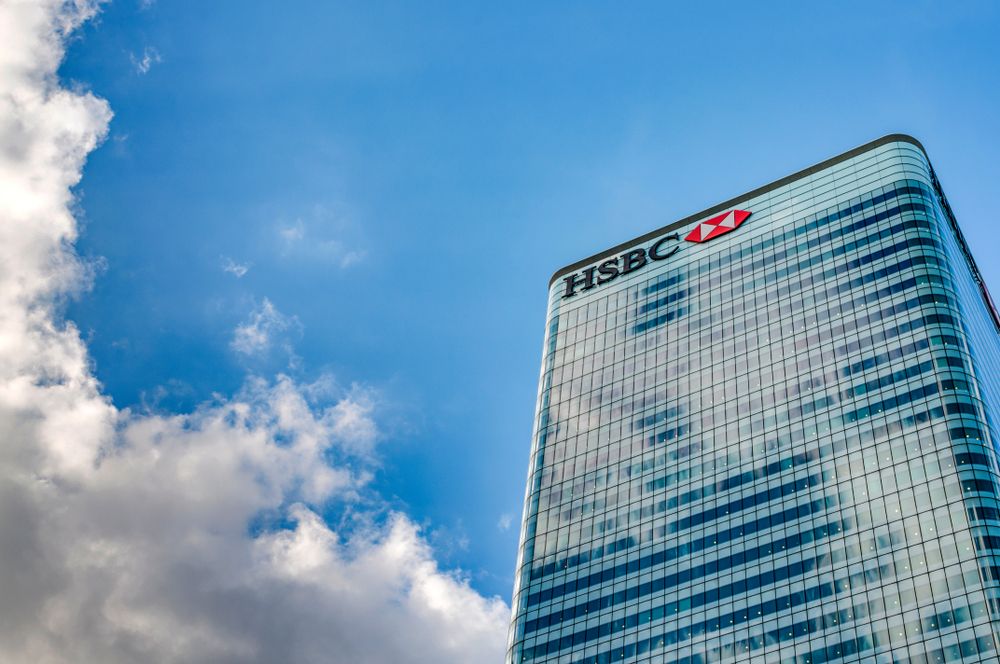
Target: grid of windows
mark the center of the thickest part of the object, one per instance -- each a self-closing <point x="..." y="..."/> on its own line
<point x="775" y="446"/>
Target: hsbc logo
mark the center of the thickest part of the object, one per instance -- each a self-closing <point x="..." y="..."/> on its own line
<point x="717" y="225"/>
<point x="630" y="261"/>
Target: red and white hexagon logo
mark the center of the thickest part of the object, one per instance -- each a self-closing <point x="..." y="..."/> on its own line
<point x="717" y="225"/>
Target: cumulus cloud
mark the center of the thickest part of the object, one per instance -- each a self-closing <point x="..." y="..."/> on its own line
<point x="143" y="63"/>
<point x="194" y="537"/>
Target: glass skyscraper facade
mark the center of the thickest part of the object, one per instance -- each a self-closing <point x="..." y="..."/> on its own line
<point x="766" y="433"/>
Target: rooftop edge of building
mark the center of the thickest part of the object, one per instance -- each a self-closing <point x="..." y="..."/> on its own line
<point x="720" y="207"/>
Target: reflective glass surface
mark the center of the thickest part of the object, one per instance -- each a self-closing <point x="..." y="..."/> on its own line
<point x="775" y="446"/>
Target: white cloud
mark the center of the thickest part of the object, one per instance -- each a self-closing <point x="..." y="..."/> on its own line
<point x="353" y="257"/>
<point x="238" y="270"/>
<point x="504" y="522"/>
<point x="143" y="63"/>
<point x="323" y="238"/>
<point x="193" y="537"/>
<point x="257" y="334"/>
<point x="291" y="234"/>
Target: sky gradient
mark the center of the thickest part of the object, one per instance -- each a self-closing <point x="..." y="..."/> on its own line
<point x="403" y="180"/>
<point x="356" y="207"/>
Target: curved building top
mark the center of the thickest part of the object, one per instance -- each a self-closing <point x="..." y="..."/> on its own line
<point x="736" y="201"/>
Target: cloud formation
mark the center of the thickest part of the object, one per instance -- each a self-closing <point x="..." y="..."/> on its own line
<point x="504" y="522"/>
<point x="320" y="240"/>
<point x="238" y="270"/>
<point x="257" y="334"/>
<point x="143" y="63"/>
<point x="193" y="537"/>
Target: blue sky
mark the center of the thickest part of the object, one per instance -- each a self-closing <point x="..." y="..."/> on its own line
<point x="396" y="182"/>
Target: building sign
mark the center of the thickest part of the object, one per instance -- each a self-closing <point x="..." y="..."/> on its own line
<point x="717" y="225"/>
<point x="665" y="247"/>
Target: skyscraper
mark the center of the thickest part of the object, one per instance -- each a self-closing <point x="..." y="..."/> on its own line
<point x="766" y="433"/>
